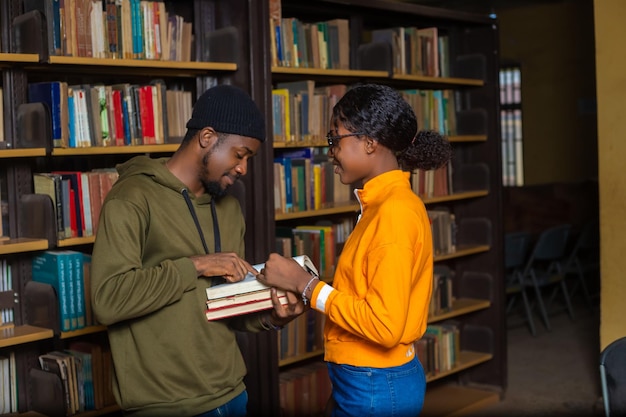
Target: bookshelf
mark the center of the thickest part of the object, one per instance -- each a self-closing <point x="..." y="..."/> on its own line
<point x="475" y="201"/>
<point x="22" y="154"/>
<point x="478" y="378"/>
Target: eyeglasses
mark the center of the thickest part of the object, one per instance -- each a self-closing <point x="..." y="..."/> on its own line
<point x="333" y="140"/>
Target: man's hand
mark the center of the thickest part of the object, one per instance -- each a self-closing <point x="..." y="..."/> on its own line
<point x="283" y="314"/>
<point x="222" y="264"/>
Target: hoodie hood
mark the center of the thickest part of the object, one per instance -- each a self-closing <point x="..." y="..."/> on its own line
<point x="155" y="170"/>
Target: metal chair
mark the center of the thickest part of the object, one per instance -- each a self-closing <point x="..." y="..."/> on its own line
<point x="583" y="258"/>
<point x="516" y="245"/>
<point x="613" y="377"/>
<point x="545" y="269"/>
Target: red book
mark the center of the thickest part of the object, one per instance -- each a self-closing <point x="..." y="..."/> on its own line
<point x="146" y="112"/>
<point x="119" y="117"/>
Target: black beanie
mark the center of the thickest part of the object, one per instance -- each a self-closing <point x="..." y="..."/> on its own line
<point x="228" y="109"/>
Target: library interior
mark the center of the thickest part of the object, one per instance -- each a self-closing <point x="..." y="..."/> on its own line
<point x="527" y="217"/>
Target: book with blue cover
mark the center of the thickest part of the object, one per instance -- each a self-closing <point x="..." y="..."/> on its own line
<point x="51" y="267"/>
<point x="54" y="94"/>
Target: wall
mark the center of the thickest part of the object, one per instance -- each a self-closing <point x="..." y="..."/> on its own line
<point x="611" y="93"/>
<point x="554" y="44"/>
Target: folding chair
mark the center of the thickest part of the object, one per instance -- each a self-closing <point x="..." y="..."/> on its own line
<point x="545" y="269"/>
<point x="613" y="377"/>
<point x="516" y="245"/>
<point x="584" y="258"/>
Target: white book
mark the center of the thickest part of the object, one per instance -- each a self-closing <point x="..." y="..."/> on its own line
<point x="248" y="295"/>
<point x="250" y="283"/>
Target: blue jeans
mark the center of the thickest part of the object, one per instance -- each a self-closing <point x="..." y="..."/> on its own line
<point x="391" y="392"/>
<point x="237" y="407"/>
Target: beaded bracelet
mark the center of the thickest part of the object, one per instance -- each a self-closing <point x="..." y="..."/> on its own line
<point x="305" y="299"/>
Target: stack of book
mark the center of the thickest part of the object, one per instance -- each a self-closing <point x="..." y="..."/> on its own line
<point x="247" y="296"/>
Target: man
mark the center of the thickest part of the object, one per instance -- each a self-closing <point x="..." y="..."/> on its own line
<point x="167" y="231"/>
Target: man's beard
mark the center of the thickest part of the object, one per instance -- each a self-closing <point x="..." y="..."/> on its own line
<point x="214" y="189"/>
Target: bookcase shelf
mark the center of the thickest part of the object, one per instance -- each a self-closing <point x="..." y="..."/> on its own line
<point x="440" y="81"/>
<point x="76" y="241"/>
<point x="22" y="152"/>
<point x="474" y="200"/>
<point x="337" y="208"/>
<point x="144" y="63"/>
<point x="26" y="149"/>
<point x="116" y="150"/>
<point x="467" y="360"/>
<point x="20" y="245"/>
<point x="9" y="58"/>
<point x="460" y="252"/>
<point x="318" y="72"/>
<point x="300" y="358"/>
<point x="455" y="197"/>
<point x="460" y="307"/>
<point x="19" y="335"/>
<point x="82" y="332"/>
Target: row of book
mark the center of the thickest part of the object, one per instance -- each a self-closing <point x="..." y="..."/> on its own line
<point x="321" y="241"/>
<point x="434" y="109"/>
<point x="77" y="198"/>
<point x="301" y="110"/>
<point x="6" y="284"/>
<point x="84" y="373"/>
<point x="299" y="44"/>
<point x="442" y="297"/>
<point x="444" y="230"/>
<point x="433" y="183"/>
<point x="90" y="115"/>
<point x="8" y="384"/>
<point x="439" y="349"/>
<point x="68" y="273"/>
<point x="133" y="29"/>
<point x="304" y="391"/>
<point x="304" y="179"/>
<point x="302" y="335"/>
<point x="416" y="51"/>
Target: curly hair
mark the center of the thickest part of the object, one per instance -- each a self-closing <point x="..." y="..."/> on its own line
<point x="384" y="115"/>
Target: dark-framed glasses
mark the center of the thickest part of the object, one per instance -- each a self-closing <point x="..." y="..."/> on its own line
<point x="333" y="140"/>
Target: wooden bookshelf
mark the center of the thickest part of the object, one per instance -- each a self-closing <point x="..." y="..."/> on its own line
<point x="300" y="358"/>
<point x="20" y="245"/>
<point x="18" y="335"/>
<point x="334" y="209"/>
<point x="76" y="241"/>
<point x="22" y="152"/>
<point x="472" y="250"/>
<point x="452" y="82"/>
<point x="455" y="196"/>
<point x="82" y="332"/>
<point x="116" y="150"/>
<point x="9" y="58"/>
<point x="460" y="307"/>
<point x="467" y="360"/>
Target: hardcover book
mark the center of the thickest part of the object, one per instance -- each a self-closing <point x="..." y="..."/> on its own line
<point x="248" y="295"/>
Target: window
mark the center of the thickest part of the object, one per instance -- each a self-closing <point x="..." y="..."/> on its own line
<point x="511" y="126"/>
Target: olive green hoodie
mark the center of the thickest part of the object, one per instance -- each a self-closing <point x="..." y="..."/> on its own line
<point x="168" y="359"/>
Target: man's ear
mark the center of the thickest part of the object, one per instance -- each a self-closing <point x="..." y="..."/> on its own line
<point x="207" y="137"/>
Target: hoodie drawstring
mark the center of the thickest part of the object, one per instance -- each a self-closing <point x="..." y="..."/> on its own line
<point x="216" y="227"/>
